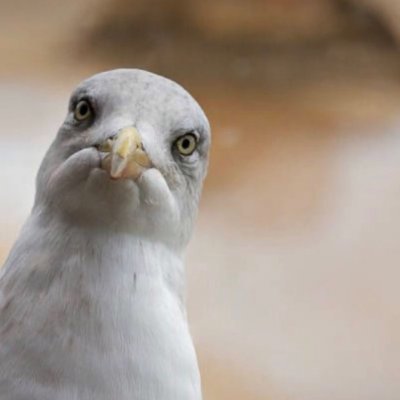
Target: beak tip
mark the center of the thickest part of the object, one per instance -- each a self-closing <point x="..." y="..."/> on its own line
<point x="127" y="157"/>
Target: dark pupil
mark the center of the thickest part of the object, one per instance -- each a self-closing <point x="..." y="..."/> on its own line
<point x="83" y="109"/>
<point x="185" y="143"/>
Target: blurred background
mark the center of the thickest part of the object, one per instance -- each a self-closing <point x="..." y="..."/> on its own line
<point x="294" y="266"/>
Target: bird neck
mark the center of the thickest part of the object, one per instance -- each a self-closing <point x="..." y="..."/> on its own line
<point x="102" y="258"/>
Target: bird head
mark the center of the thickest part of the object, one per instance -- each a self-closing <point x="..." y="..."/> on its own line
<point x="130" y="156"/>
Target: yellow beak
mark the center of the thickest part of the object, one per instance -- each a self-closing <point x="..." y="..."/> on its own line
<point x="126" y="157"/>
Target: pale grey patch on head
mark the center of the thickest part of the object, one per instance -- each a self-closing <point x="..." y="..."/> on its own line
<point x="161" y="110"/>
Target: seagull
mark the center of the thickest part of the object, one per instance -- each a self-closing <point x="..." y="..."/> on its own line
<point x="92" y="294"/>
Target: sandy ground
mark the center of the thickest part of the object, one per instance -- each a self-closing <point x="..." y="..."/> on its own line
<point x="293" y="268"/>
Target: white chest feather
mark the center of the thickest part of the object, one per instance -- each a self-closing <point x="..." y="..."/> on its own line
<point x="107" y="322"/>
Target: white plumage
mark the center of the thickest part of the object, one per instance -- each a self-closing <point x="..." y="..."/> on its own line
<point x="92" y="293"/>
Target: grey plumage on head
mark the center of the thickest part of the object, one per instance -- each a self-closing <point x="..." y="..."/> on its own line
<point x="162" y="111"/>
<point x="92" y="293"/>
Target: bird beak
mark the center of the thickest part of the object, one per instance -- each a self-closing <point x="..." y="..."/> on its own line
<point x="125" y="155"/>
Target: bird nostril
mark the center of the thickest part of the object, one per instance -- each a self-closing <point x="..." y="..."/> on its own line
<point x="106" y="146"/>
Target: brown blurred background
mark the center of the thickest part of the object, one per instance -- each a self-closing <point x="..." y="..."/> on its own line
<point x="294" y="267"/>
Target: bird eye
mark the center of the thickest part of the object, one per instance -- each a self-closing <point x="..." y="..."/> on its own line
<point x="186" y="144"/>
<point x="83" y="110"/>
